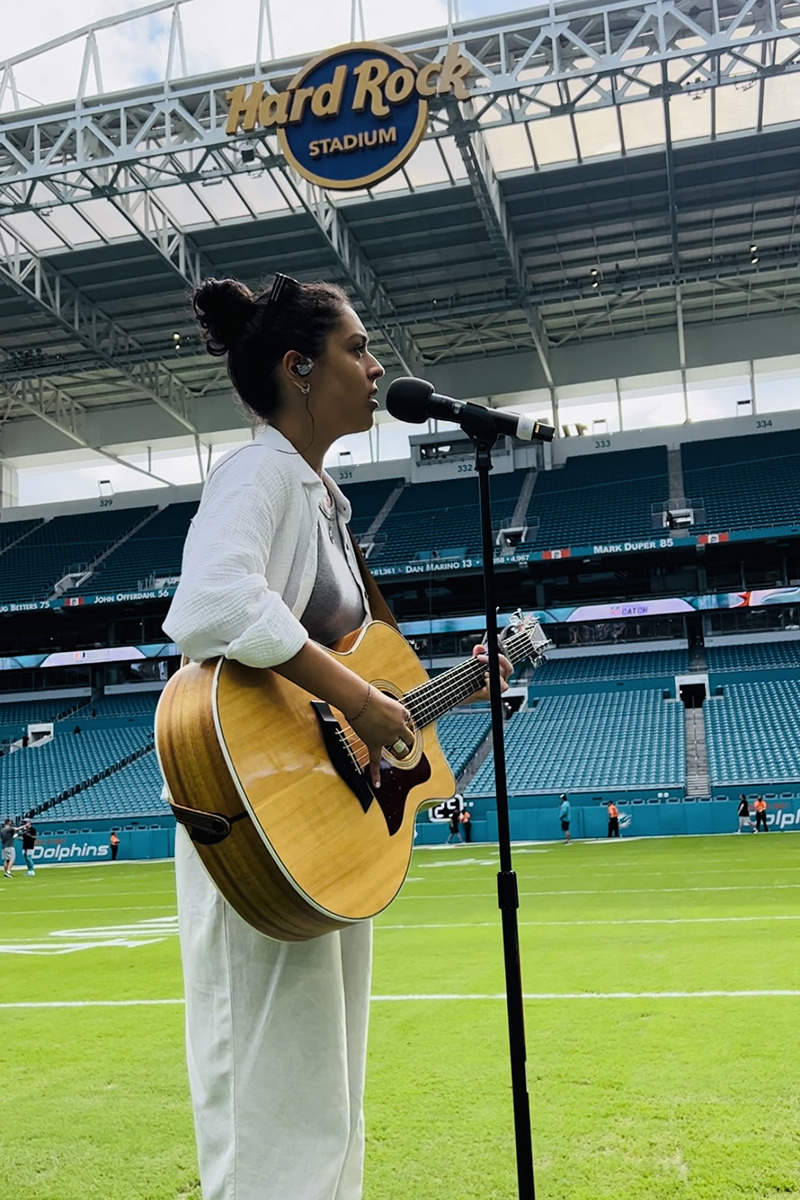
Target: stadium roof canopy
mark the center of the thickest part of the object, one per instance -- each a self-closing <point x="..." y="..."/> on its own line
<point x="619" y="197"/>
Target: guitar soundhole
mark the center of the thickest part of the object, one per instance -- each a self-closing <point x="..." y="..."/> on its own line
<point x="394" y="789"/>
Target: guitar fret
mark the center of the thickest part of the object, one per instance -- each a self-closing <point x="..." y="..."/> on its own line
<point x="431" y="700"/>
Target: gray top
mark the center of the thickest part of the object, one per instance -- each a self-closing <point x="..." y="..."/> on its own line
<point x="336" y="604"/>
<point x="7" y="834"/>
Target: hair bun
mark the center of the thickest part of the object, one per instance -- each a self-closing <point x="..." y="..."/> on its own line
<point x="223" y="308"/>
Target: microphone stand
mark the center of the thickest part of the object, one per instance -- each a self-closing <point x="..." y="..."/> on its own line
<point x="482" y="432"/>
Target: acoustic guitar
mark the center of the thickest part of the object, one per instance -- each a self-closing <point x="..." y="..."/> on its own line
<point x="273" y="787"/>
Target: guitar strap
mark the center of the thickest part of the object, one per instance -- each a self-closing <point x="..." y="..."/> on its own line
<point x="378" y="607"/>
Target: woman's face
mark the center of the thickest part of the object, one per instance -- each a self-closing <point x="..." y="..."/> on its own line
<point x="344" y="381"/>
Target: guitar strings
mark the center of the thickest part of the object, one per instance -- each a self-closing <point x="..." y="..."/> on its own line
<point x="429" y="700"/>
<point x="434" y="697"/>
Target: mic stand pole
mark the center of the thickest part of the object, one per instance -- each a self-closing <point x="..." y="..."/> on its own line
<point x="483" y="434"/>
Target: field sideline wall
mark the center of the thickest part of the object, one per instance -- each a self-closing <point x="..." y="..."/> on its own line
<point x="535" y="818"/>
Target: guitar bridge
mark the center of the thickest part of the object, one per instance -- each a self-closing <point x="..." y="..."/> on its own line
<point x="342" y="758"/>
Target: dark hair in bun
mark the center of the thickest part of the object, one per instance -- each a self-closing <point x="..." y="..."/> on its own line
<point x="255" y="336"/>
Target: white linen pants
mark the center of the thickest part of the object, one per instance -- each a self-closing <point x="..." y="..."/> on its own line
<point x="276" y="1037"/>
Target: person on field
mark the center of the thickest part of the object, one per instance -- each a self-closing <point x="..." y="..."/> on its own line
<point x="466" y="824"/>
<point x="760" y="807"/>
<point x="28" y="834"/>
<point x="613" y="820"/>
<point x="454" y="825"/>
<point x="744" y="814"/>
<point x="7" y="835"/>
<point x="113" y="841"/>
<point x="277" y="1031"/>
<point x="564" y="817"/>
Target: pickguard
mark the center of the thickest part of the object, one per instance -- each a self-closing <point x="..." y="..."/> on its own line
<point x="395" y="787"/>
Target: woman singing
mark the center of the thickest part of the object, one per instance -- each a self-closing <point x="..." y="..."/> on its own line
<point x="277" y="1031"/>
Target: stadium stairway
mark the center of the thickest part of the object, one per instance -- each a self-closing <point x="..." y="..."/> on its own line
<point x="71" y="580"/>
<point x="698" y="782"/>
<point x="382" y="513"/>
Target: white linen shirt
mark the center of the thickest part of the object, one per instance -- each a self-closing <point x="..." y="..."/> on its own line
<point x="250" y="558"/>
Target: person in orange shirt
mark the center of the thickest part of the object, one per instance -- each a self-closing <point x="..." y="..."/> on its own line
<point x="114" y="842"/>
<point x="761" y="814"/>
<point x="613" y="820"/>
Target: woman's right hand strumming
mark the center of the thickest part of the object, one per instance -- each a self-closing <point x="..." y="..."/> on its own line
<point x="382" y="721"/>
<point x="377" y="719"/>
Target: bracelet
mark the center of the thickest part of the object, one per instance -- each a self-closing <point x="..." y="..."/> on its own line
<point x="363" y="708"/>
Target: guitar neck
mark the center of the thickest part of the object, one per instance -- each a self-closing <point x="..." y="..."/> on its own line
<point x="433" y="699"/>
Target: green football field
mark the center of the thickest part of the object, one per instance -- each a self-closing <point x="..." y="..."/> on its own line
<point x="662" y="983"/>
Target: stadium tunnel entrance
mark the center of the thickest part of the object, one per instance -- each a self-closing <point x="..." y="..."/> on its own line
<point x="693" y="695"/>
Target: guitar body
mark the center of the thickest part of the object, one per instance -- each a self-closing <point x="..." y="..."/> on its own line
<point x="309" y="856"/>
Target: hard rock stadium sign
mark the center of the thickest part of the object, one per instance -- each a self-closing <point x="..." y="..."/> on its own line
<point x="353" y="115"/>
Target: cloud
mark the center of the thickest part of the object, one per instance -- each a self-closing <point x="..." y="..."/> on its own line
<point x="216" y="38"/>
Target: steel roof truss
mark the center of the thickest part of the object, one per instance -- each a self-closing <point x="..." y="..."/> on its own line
<point x="490" y="201"/>
<point x="33" y="277"/>
<point x="61" y="412"/>
<point x="379" y="306"/>
<point x="609" y="52"/>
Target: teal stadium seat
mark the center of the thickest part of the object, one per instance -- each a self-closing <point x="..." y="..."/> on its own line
<point x="31" y="566"/>
<point x="745" y="483"/>
<point x="460" y="735"/>
<point x="752" y="733"/>
<point x="606" y="739"/>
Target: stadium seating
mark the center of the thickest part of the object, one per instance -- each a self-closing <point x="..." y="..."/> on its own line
<point x="30" y="568"/>
<point x="752" y="733"/>
<point x="128" y="705"/>
<point x="19" y="713"/>
<point x="134" y="791"/>
<point x="460" y="735"/>
<point x="36" y="775"/>
<point x="745" y="483"/>
<point x="154" y="550"/>
<point x="592" y="668"/>
<point x="751" y="656"/>
<point x="599" y="740"/>
<point x="11" y="531"/>
<point x="442" y="518"/>
<point x="604" y="498"/>
<point x="367" y="500"/>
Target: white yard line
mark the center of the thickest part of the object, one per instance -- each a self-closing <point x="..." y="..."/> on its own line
<point x="709" y="995"/>
<point x="105" y="908"/>
<point x="632" y="921"/>
<point x="425" y="997"/>
<point x="738" y="887"/>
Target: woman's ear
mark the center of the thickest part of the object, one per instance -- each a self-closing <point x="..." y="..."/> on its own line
<point x="295" y="367"/>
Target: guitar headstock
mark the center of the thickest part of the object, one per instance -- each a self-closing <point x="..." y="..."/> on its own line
<point x="523" y="638"/>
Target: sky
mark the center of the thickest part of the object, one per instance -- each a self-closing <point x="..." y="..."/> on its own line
<point x="215" y="36"/>
<point x="218" y="37"/>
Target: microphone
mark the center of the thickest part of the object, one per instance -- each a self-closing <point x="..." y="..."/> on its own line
<point x="415" y="401"/>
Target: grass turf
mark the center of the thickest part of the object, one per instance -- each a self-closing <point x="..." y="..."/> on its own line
<point x="635" y="1095"/>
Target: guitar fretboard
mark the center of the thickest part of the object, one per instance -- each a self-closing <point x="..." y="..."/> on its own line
<point x="431" y="700"/>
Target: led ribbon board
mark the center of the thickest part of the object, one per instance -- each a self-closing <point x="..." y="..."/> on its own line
<point x="352" y="116"/>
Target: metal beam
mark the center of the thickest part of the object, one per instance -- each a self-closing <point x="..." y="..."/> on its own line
<point x="380" y="309"/>
<point x="540" y="63"/>
<point x="492" y="206"/>
<point x="36" y="279"/>
<point x="58" y="410"/>
<point x="151" y="219"/>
